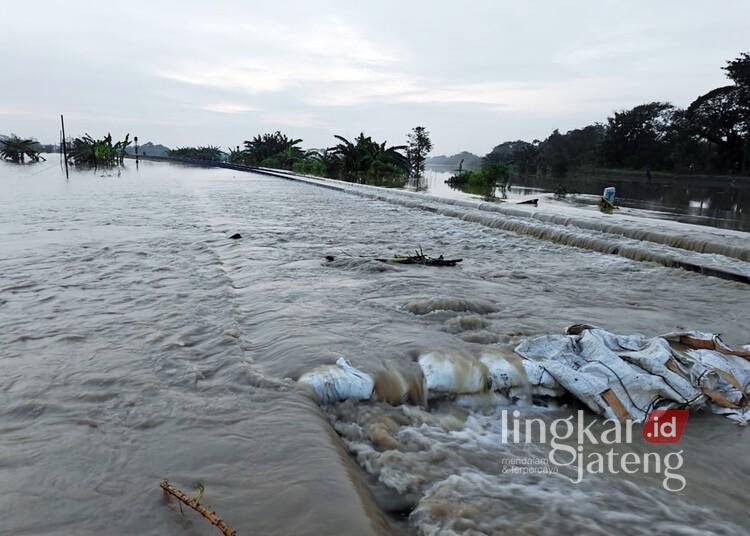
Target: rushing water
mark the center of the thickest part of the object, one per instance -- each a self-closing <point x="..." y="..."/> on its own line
<point x="718" y="202"/>
<point x="138" y="343"/>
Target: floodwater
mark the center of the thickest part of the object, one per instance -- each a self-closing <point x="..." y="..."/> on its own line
<point x="139" y="343"/>
<point x="716" y="203"/>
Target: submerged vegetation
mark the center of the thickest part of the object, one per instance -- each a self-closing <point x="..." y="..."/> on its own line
<point x="210" y="153"/>
<point x="484" y="181"/>
<point x="360" y="160"/>
<point x="365" y="160"/>
<point x="96" y="153"/>
<point x="17" y="150"/>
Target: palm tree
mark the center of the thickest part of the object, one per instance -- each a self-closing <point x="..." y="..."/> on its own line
<point x="273" y="150"/>
<point x="367" y="159"/>
<point x="329" y="162"/>
<point x="350" y="155"/>
<point x="15" y="149"/>
<point x="236" y="156"/>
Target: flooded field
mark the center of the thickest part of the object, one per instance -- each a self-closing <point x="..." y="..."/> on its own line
<point x="716" y="203"/>
<point x="138" y="343"/>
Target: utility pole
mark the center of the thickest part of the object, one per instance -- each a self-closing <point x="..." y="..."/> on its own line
<point x="64" y="146"/>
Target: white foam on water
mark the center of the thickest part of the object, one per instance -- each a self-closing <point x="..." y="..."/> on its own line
<point x="449" y="462"/>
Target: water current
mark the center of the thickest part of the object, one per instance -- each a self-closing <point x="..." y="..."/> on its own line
<point x="139" y="343"/>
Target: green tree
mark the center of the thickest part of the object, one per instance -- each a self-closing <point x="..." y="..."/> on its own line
<point x="365" y="159"/>
<point x="721" y="117"/>
<point x="418" y="147"/>
<point x="272" y="150"/>
<point x="738" y="70"/>
<point x="635" y="137"/>
<point x="521" y="155"/>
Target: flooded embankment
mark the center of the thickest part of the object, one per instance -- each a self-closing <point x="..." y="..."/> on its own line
<point x="717" y="252"/>
<point x="139" y="343"/>
<point x="708" y="200"/>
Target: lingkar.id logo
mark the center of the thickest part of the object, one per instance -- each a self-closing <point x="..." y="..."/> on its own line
<point x="665" y="425"/>
<point x="661" y="426"/>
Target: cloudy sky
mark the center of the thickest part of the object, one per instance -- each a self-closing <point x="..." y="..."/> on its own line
<point x="476" y="73"/>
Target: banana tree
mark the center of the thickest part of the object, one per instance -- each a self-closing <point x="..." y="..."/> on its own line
<point x="88" y="151"/>
<point x="15" y="149"/>
<point x="367" y="159"/>
<point x="273" y="150"/>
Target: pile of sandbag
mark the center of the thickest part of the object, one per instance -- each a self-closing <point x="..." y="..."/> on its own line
<point x="620" y="377"/>
<point x="626" y="377"/>
<point x="438" y="374"/>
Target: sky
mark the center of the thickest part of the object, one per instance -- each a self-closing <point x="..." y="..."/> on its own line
<point x="475" y="73"/>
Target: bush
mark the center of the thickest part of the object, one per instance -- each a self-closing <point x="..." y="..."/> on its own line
<point x="310" y="167"/>
<point x="483" y="181"/>
<point x="210" y="153"/>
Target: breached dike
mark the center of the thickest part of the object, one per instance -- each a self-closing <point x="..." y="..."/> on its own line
<point x="619" y="228"/>
<point x="619" y="377"/>
<point x="708" y="255"/>
<point x="636" y="243"/>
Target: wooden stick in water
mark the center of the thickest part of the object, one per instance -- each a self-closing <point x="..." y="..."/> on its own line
<point x="212" y="518"/>
<point x="64" y="145"/>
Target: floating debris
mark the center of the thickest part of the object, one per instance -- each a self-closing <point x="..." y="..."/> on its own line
<point x="418" y="258"/>
<point x="195" y="504"/>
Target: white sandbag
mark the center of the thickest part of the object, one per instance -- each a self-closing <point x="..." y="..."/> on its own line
<point x="504" y="371"/>
<point x="332" y="383"/>
<point x="518" y="378"/>
<point x="541" y="382"/>
<point x="737" y="367"/>
<point x="706" y="341"/>
<point x="446" y="372"/>
<point x="620" y="377"/>
<point x="626" y="377"/>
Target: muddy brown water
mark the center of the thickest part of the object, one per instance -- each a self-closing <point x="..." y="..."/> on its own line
<point x="139" y="343"/>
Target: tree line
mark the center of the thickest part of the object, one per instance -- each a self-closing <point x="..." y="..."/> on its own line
<point x="362" y="159"/>
<point x="711" y="136"/>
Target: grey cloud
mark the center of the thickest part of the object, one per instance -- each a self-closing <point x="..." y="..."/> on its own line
<point x="474" y="73"/>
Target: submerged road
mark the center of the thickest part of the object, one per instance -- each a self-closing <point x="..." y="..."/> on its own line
<point x="709" y="251"/>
